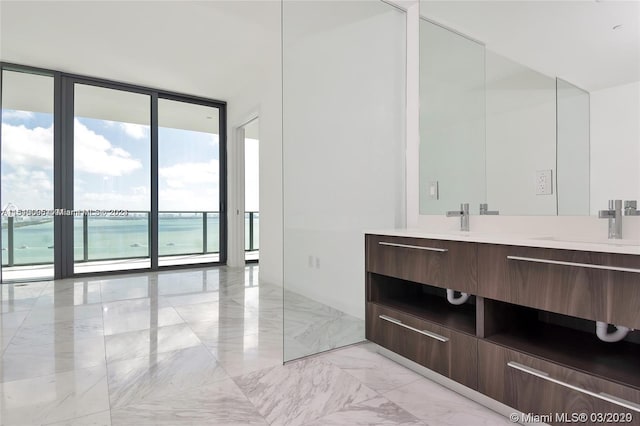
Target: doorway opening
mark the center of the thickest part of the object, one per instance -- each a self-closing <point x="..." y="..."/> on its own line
<point x="251" y="145"/>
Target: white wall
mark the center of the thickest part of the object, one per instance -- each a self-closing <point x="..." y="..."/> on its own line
<point x="263" y="97"/>
<point x="615" y="145"/>
<point x="344" y="127"/>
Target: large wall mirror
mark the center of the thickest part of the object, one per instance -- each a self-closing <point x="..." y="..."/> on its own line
<point x="530" y="107"/>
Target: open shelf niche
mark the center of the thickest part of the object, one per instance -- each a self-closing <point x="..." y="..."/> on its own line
<point x="426" y="302"/>
<point x="561" y="339"/>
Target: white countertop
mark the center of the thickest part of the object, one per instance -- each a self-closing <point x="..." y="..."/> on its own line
<point x="543" y="241"/>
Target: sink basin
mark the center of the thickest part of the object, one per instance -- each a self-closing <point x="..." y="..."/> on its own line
<point x="610" y="242"/>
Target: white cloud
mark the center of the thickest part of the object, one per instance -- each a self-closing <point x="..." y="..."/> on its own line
<point x="183" y="175"/>
<point x="27" y="147"/>
<point x="27" y="189"/>
<point x="136" y="131"/>
<point x="189" y="199"/>
<point x="190" y="186"/>
<point x="17" y="115"/>
<point x="33" y="148"/>
<point x="134" y="200"/>
<point x="95" y="154"/>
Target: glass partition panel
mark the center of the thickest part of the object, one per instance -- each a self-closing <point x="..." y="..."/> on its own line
<point x="343" y="160"/>
<point x="452" y="121"/>
<point x="572" y="149"/>
<point x="27" y="176"/>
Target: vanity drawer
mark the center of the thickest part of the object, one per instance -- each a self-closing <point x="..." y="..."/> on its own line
<point x="438" y="348"/>
<point x="446" y="264"/>
<point x="527" y="276"/>
<point x="624" y="291"/>
<point x="533" y="385"/>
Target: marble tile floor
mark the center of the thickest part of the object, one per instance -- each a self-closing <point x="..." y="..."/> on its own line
<point x="199" y="347"/>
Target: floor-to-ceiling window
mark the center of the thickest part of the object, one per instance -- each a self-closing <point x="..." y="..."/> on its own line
<point x="189" y="183"/>
<point x="27" y="175"/>
<point x="128" y="178"/>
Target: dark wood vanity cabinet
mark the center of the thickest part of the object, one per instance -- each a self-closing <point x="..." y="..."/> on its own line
<point x="448" y="352"/>
<point x="446" y="264"/>
<point x="527" y="335"/>
<point x="534" y="385"/>
<point x="516" y="275"/>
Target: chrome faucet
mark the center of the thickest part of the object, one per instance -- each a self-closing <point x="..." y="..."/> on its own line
<point x="631" y="208"/>
<point x="463" y="213"/>
<point x="484" y="210"/>
<point x="614" y="214"/>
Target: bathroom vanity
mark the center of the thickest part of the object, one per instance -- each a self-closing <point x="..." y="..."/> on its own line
<point x="526" y="336"/>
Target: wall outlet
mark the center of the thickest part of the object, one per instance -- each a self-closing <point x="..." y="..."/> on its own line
<point x="544" y="184"/>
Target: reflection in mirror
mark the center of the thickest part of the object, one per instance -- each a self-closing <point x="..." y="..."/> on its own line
<point x="589" y="139"/>
<point x="572" y="149"/>
<point x="521" y="137"/>
<point x="452" y="125"/>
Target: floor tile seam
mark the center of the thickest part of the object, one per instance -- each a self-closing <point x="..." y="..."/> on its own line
<point x="355" y="404"/>
<point x="74" y="418"/>
<point x="23" y="319"/>
<point x="163" y="352"/>
<point x="255" y="407"/>
<point x="317" y="357"/>
<point x="53" y="374"/>
<point x="417" y="379"/>
<point x="405" y="406"/>
<point x="168" y="395"/>
<point x="28" y="344"/>
<point x="63" y="371"/>
<point x="8" y="343"/>
<point x="106" y="367"/>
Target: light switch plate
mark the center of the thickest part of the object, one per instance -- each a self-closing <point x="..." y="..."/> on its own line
<point x="544" y="183"/>
<point x="433" y="190"/>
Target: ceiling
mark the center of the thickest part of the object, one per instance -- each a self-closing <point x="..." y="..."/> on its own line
<point x="211" y="49"/>
<point x="573" y="40"/>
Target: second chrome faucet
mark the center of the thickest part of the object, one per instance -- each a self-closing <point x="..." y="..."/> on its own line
<point x="614" y="214"/>
<point x="463" y="213"/>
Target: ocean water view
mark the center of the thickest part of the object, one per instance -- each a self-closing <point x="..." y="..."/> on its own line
<point x="119" y="237"/>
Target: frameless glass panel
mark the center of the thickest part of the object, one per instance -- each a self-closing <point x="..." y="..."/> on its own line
<point x="27" y="176"/>
<point x="452" y="121"/>
<point x="251" y="189"/>
<point x="343" y="161"/>
<point x="112" y="179"/>
<point x="188" y="183"/>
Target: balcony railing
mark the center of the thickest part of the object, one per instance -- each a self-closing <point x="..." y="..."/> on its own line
<point x="121" y="237"/>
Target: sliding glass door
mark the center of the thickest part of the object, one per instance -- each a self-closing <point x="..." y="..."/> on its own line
<point x="112" y="179"/>
<point x="100" y="176"/>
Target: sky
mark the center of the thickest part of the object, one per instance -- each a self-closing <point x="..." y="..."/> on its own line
<point x="112" y="165"/>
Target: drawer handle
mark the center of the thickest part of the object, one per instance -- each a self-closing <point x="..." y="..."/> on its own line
<point x="603" y="396"/>
<point x="440" y="250"/>
<point x="425" y="332"/>
<point x="580" y="265"/>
